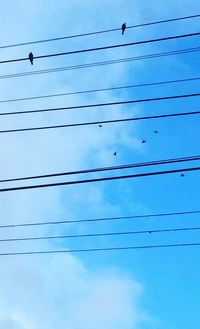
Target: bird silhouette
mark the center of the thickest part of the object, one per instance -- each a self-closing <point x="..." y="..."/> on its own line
<point x="182" y="175"/>
<point x="115" y="153"/>
<point x="155" y="131"/>
<point x="123" y="28"/>
<point x="100" y="126"/>
<point x="30" y="56"/>
<point x="143" y="141"/>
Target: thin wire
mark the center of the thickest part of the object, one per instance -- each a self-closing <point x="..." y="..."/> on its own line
<point x="144" y="100"/>
<point x="96" y="64"/>
<point x="90" y="235"/>
<point x="100" y="249"/>
<point x="79" y="51"/>
<point x="161" y="116"/>
<point x="102" y="219"/>
<point x="100" y="90"/>
<point x="99" y="32"/>
<point x="93" y="180"/>
<point x="102" y="169"/>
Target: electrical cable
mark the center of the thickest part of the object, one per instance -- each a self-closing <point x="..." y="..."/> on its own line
<point x="102" y="169"/>
<point x="93" y="180"/>
<point x="102" y="219"/>
<point x="81" y="124"/>
<point x="149" y="84"/>
<point x="97" y="64"/>
<point x="80" y="51"/>
<point x="92" y="235"/>
<point x="86" y="106"/>
<point x="99" y="32"/>
<point x="100" y="249"/>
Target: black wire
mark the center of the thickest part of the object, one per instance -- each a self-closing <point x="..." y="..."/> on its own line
<point x="71" y="221"/>
<point x="99" y="249"/>
<point x="100" y="90"/>
<point x="93" y="180"/>
<point x="161" y="116"/>
<point x="96" y="64"/>
<point x="174" y="37"/>
<point x="145" y="100"/>
<point x="99" y="32"/>
<point x="95" y="170"/>
<point x="90" y="235"/>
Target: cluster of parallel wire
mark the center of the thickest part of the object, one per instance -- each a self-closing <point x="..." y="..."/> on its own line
<point x="111" y="169"/>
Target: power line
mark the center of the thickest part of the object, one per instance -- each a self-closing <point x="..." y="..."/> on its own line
<point x="100" y="249"/>
<point x="92" y="235"/>
<point x="144" y="100"/>
<point x="79" y="51"/>
<point x="161" y="116"/>
<point x="97" y="64"/>
<point x="101" y="90"/>
<point x="102" y="219"/>
<point x="99" y="32"/>
<point x="102" y="169"/>
<point x="93" y="180"/>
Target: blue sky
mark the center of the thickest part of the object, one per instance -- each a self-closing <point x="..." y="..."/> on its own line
<point x="130" y="289"/>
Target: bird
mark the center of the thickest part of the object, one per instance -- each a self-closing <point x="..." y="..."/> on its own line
<point x="123" y="28"/>
<point x="143" y="141"/>
<point x="155" y="131"/>
<point x="182" y="175"/>
<point x="115" y="153"/>
<point x="30" y="56"/>
<point x="100" y="126"/>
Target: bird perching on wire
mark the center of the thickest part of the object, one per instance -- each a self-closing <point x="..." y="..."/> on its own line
<point x="30" y="56"/>
<point x="123" y="28"/>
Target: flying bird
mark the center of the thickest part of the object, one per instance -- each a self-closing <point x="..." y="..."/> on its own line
<point x="155" y="131"/>
<point x="143" y="141"/>
<point x="123" y="28"/>
<point x="115" y="153"/>
<point x="30" y="56"/>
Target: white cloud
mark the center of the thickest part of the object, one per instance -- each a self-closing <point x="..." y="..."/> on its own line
<point x="58" y="291"/>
